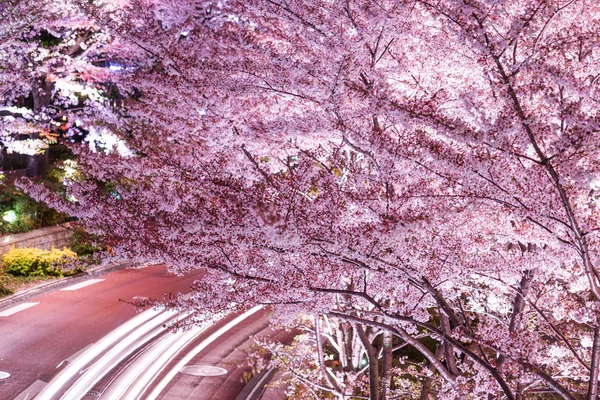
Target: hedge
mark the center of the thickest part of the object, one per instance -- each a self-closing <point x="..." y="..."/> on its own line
<point x="36" y="262"/>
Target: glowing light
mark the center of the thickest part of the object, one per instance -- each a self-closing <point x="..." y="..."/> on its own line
<point x="115" y="67"/>
<point x="10" y="216"/>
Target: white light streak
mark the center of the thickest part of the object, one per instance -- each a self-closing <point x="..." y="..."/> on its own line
<point x="60" y="381"/>
<point x="173" y="371"/>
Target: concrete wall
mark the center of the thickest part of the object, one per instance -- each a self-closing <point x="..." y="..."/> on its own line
<point x="44" y="238"/>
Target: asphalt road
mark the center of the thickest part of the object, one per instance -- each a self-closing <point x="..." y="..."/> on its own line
<point x="56" y="325"/>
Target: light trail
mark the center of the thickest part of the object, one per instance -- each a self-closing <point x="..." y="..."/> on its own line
<point x="95" y="362"/>
<point x="147" y="367"/>
<point x="186" y="359"/>
<point x="61" y="380"/>
<point x="136" y="339"/>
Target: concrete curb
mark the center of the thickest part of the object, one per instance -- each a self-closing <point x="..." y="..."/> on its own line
<point x="255" y="388"/>
<point x="44" y="287"/>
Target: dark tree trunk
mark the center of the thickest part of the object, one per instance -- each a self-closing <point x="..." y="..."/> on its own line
<point x="428" y="382"/>
<point x="448" y="348"/>
<point x="37" y="164"/>
<point x="386" y="364"/>
<point x="42" y="94"/>
<point x="518" y="306"/>
<point x="372" y="355"/>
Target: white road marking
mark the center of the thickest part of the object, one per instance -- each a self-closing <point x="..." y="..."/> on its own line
<point x="16" y="309"/>
<point x="78" y="286"/>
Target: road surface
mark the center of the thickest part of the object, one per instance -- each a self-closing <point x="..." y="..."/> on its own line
<point x="86" y="341"/>
<point x="38" y="335"/>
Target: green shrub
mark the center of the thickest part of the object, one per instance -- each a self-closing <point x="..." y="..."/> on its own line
<point x="85" y="244"/>
<point x="23" y="261"/>
<point x="29" y="213"/>
<point x="36" y="262"/>
<point x="57" y="262"/>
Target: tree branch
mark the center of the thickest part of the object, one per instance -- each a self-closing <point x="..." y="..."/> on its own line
<point x="518" y="306"/>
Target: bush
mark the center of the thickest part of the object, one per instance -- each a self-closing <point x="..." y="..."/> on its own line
<point x="85" y="244"/>
<point x="23" y="261"/>
<point x="36" y="262"/>
<point x="29" y="213"/>
<point x="60" y="262"/>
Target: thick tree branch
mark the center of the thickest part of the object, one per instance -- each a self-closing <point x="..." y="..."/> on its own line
<point x="518" y="306"/>
<point x="595" y="366"/>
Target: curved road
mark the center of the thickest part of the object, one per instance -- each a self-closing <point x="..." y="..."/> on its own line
<point x="73" y="335"/>
<point x="35" y="340"/>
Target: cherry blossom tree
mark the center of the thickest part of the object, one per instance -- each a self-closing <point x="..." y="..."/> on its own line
<point x="422" y="173"/>
<point x="55" y="72"/>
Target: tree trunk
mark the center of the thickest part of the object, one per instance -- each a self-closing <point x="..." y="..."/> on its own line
<point x="372" y="355"/>
<point x="37" y="164"/>
<point x="386" y="364"/>
<point x="42" y="94"/>
<point x="356" y="351"/>
<point x="428" y="382"/>
<point x="342" y="339"/>
<point x="448" y="348"/>
<point x="321" y="356"/>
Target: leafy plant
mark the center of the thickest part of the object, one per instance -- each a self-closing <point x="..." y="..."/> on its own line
<point x="36" y="262"/>
<point x="84" y="244"/>
<point x="4" y="291"/>
<point x="28" y="213"/>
